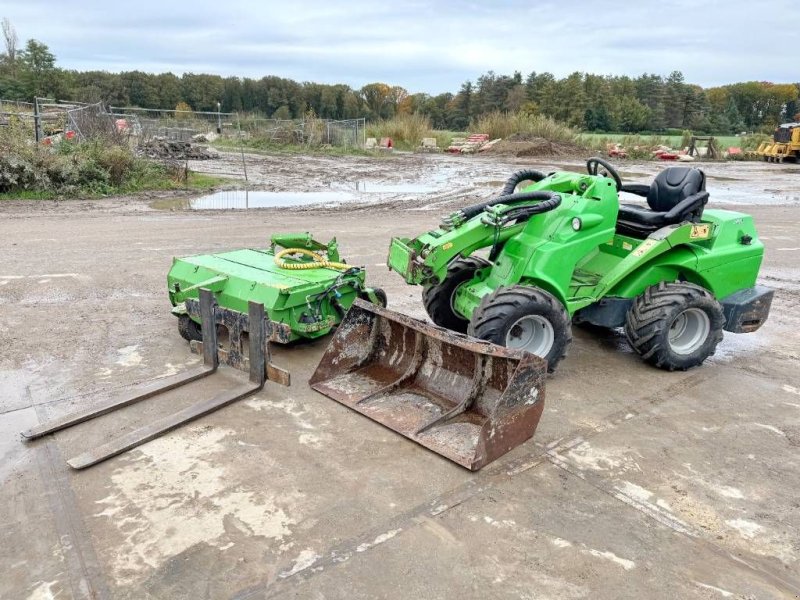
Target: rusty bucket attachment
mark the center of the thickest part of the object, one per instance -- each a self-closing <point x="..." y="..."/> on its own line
<point x="246" y="350"/>
<point x="467" y="399"/>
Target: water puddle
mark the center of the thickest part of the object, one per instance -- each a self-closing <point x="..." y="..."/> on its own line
<point x="370" y="187"/>
<point x="360" y="191"/>
<point x="244" y="199"/>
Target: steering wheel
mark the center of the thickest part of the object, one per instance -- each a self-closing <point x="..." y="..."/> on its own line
<point x="593" y="166"/>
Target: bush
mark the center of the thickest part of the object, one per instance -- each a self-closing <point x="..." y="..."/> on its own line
<point x="405" y="130"/>
<point x="71" y="168"/>
<point x="503" y="124"/>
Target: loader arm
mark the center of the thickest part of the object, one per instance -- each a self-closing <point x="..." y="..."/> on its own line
<point x="424" y="259"/>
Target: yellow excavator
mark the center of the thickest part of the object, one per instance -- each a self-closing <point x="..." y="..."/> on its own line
<point x="785" y="144"/>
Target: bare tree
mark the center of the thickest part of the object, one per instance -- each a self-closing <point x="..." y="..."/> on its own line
<point x="10" y="40"/>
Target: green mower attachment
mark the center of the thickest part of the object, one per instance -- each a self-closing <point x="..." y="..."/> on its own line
<point x="564" y="250"/>
<point x="303" y="284"/>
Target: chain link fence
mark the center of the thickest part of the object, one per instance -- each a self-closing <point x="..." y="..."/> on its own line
<point x="137" y="126"/>
<point x="94" y="122"/>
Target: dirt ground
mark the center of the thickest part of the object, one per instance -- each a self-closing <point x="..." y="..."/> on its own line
<point x="638" y="483"/>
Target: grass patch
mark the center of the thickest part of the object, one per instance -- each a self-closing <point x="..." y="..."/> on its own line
<point x="499" y="124"/>
<point x="406" y="131"/>
<point x="598" y="140"/>
<point x="198" y="182"/>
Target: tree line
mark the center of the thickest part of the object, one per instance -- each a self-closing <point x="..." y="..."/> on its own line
<point x="601" y="103"/>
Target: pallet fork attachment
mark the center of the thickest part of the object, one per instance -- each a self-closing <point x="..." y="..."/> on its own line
<point x="256" y="360"/>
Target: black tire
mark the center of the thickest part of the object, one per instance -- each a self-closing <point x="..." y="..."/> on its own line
<point x="380" y="294"/>
<point x="438" y="298"/>
<point x="188" y="329"/>
<point x="501" y="311"/>
<point x="651" y="325"/>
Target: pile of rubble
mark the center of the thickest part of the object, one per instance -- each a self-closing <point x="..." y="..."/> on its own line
<point x="527" y="145"/>
<point x="174" y="150"/>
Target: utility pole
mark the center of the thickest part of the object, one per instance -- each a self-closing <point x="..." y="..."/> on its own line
<point x="219" y="118"/>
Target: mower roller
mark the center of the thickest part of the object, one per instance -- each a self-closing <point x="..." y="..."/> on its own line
<point x="563" y="249"/>
<point x="466" y="399"/>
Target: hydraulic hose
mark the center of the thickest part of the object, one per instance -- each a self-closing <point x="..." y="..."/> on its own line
<point x="476" y="209"/>
<point x="319" y="262"/>
<point x="521" y="213"/>
<point x="523" y="175"/>
<point x="507" y="196"/>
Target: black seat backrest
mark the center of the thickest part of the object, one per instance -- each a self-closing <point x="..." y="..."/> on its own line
<point x="673" y="185"/>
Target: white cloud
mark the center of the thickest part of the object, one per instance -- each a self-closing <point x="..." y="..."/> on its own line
<point x="424" y="46"/>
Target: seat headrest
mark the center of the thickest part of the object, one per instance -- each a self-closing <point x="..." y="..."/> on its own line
<point x="674" y="184"/>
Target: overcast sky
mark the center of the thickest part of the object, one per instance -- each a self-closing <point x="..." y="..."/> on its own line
<point x="423" y="46"/>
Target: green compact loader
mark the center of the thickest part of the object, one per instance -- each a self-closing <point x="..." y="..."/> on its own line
<point x="563" y="249"/>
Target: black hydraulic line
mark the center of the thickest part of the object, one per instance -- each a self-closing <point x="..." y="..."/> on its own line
<point x="476" y="209"/>
<point x="523" y="175"/>
<point x="525" y="212"/>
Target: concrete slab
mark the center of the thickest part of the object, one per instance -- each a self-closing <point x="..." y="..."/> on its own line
<point x="639" y="483"/>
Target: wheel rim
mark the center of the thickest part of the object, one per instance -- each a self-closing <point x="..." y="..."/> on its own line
<point x="533" y="333"/>
<point x="453" y="302"/>
<point x="689" y="330"/>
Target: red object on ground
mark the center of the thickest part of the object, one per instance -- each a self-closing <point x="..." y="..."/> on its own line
<point x="734" y="150"/>
<point x="70" y="135"/>
<point x="387" y="143"/>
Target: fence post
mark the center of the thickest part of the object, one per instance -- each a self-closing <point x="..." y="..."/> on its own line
<point x="241" y="147"/>
<point x="37" y="121"/>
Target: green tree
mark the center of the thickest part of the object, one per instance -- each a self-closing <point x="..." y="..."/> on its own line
<point x="377" y="98"/>
<point x="38" y="70"/>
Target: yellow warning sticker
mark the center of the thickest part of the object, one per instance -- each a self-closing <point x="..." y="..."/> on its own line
<point x="627" y="246"/>
<point x="700" y="231"/>
<point x="447" y="246"/>
<point x="644" y="247"/>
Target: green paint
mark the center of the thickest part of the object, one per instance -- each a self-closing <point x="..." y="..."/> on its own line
<point x="582" y="267"/>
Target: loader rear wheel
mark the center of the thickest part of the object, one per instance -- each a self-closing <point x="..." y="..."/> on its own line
<point x="438" y="298"/>
<point x="675" y="325"/>
<point x="188" y="329"/>
<point x="527" y="318"/>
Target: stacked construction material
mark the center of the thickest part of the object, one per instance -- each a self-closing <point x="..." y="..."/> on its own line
<point x="468" y="145"/>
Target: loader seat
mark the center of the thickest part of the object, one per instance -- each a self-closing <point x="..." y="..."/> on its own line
<point x="677" y="194"/>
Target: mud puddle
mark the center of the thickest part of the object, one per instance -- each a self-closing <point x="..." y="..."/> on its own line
<point x="360" y="191"/>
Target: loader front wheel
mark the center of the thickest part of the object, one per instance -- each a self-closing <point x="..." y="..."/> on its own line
<point x="527" y="318"/>
<point x="675" y="325"/>
<point x="188" y="329"/>
<point x="438" y="298"/>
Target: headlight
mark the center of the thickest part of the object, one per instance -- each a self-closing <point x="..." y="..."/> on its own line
<point x="576" y="224"/>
